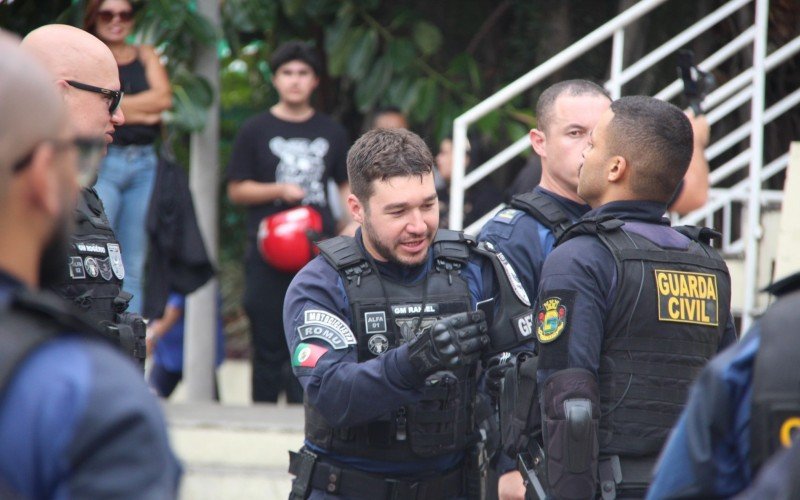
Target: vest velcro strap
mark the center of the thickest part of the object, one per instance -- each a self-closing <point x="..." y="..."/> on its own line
<point x="542" y="208"/>
<point x="437" y="392"/>
<point x="656" y="369"/>
<point x="669" y="257"/>
<point x="435" y="416"/>
<point x="649" y="418"/>
<point x="632" y="443"/>
<point x="705" y="350"/>
<point x="341" y="252"/>
<point x="665" y="394"/>
<point x="452" y="245"/>
<point x="701" y="234"/>
<point x="434" y="439"/>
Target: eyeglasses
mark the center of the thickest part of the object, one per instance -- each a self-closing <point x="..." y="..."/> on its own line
<point x="107" y="16"/>
<point x="90" y="153"/>
<point x="114" y="96"/>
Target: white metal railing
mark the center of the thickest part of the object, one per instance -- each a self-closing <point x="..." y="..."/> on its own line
<point x="745" y="87"/>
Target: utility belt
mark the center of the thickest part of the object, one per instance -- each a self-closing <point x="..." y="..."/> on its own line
<point x="312" y="472"/>
<point x="619" y="477"/>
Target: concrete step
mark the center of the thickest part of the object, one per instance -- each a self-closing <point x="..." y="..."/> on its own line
<point x="234" y="452"/>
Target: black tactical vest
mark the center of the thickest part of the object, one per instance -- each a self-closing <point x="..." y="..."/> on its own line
<point x="775" y="420"/>
<point x="669" y="314"/>
<point x="94" y="280"/>
<point x="387" y="314"/>
<point x="96" y="272"/>
<point x="542" y="208"/>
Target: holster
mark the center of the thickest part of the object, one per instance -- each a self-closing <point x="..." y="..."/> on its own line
<point x="301" y="464"/>
<point x="477" y="470"/>
<point x="519" y="407"/>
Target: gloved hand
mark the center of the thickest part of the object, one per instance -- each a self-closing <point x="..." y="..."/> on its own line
<point x="451" y="342"/>
<point x="495" y="371"/>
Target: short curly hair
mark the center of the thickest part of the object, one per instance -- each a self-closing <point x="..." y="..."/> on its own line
<point x="295" y="50"/>
<point x="383" y="153"/>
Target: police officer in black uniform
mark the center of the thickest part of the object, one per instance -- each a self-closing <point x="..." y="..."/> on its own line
<point x="93" y="277"/>
<point x="76" y="418"/>
<point x="385" y="332"/>
<point x="629" y="310"/>
<point x="526" y="231"/>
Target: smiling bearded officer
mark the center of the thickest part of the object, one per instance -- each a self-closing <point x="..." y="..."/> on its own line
<point x="386" y="339"/>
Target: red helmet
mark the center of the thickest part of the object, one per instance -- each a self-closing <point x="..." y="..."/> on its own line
<point x="285" y="239"/>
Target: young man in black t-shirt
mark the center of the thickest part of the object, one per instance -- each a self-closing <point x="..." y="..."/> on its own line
<point x="282" y="158"/>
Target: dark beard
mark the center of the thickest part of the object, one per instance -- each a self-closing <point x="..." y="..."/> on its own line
<point x="54" y="265"/>
<point x="384" y="251"/>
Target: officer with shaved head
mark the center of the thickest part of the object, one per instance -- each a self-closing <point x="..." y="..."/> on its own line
<point x="86" y="75"/>
<point x="76" y="419"/>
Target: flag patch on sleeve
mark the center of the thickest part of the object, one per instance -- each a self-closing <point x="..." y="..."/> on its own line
<point x="307" y="355"/>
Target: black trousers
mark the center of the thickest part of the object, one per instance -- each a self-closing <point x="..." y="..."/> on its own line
<point x="265" y="289"/>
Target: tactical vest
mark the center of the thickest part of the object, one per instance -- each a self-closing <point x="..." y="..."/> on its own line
<point x="775" y="417"/>
<point x="29" y="320"/>
<point x="96" y="271"/>
<point x="669" y="314"/>
<point x="94" y="280"/>
<point x="542" y="208"/>
<point x="387" y="314"/>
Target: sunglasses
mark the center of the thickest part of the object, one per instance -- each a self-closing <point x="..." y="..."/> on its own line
<point x="90" y="153"/>
<point x="107" y="16"/>
<point x="114" y="96"/>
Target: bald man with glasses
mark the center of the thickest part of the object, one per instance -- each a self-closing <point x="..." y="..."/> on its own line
<point x="87" y="77"/>
<point x="76" y="419"/>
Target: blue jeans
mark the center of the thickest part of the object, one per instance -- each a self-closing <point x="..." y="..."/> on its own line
<point x="124" y="185"/>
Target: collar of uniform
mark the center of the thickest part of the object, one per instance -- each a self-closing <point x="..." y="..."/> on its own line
<point x="398" y="272"/>
<point x="646" y="211"/>
<point x="574" y="209"/>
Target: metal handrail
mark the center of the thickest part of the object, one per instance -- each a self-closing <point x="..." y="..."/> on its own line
<point x="744" y="39"/>
<point x="746" y="87"/>
<point x="679" y="40"/>
<point x="521" y="84"/>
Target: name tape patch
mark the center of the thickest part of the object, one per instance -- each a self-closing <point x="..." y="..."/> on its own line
<point x="375" y="322"/>
<point x="325" y="326"/>
<point x="414" y="309"/>
<point x="686" y="297"/>
<point x="91" y="248"/>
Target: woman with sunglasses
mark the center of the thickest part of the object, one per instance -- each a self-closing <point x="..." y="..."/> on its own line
<point x="128" y="172"/>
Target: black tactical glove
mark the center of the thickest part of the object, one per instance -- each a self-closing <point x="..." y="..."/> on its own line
<point x="495" y="371"/>
<point x="451" y="342"/>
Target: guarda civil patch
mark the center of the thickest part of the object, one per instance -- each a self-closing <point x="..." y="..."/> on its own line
<point x="685" y="297"/>
<point x="327" y="327"/>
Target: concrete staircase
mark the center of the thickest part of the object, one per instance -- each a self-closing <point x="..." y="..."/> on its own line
<point x="777" y="249"/>
<point x="235" y="450"/>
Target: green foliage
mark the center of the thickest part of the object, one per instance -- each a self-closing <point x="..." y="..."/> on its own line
<point x="427" y="37"/>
